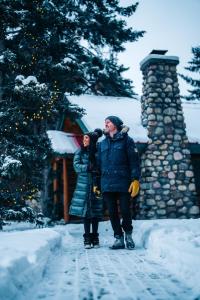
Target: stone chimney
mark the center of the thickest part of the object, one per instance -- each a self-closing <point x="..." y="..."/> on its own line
<point x="167" y="186"/>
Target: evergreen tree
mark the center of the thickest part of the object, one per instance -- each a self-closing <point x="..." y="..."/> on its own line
<point x="24" y="143"/>
<point x="194" y="67"/>
<point x="48" y="48"/>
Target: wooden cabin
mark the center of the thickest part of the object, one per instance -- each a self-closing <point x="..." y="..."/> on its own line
<point x="66" y="141"/>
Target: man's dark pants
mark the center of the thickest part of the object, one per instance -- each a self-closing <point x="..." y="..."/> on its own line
<point x="124" y="202"/>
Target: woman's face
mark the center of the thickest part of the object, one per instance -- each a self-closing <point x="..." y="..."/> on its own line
<point x="86" y="140"/>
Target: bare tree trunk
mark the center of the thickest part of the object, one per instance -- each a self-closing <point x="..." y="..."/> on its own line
<point x="1" y="73"/>
<point x="45" y="201"/>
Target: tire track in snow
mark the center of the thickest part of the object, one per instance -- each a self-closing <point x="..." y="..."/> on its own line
<point x="128" y="291"/>
<point x="142" y="292"/>
<point x="175" y="289"/>
<point x="91" y="276"/>
<point x="112" y="294"/>
<point x="76" y="273"/>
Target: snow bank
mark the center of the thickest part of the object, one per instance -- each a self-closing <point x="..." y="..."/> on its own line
<point x="16" y="226"/>
<point x="24" y="256"/>
<point x="175" y="244"/>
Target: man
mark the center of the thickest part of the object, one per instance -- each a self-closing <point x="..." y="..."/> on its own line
<point x="120" y="172"/>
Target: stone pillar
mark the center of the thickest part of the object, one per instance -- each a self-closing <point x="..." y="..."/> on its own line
<point x="167" y="186"/>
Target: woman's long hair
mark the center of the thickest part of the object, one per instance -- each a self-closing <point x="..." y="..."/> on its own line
<point x="92" y="148"/>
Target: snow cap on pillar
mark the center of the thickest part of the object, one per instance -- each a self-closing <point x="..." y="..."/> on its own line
<point x="157" y="56"/>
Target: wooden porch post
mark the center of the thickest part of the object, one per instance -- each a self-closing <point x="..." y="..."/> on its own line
<point x="65" y="191"/>
<point x="55" y="184"/>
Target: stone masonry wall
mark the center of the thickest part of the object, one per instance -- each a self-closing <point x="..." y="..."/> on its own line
<point x="167" y="185"/>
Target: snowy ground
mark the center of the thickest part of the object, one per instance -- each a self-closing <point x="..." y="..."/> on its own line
<point x="50" y="263"/>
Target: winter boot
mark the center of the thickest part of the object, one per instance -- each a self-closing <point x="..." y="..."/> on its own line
<point x="118" y="243"/>
<point x="95" y="240"/>
<point x="87" y="241"/>
<point x="129" y="241"/>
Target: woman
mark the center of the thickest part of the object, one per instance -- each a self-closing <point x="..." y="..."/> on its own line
<point x="85" y="203"/>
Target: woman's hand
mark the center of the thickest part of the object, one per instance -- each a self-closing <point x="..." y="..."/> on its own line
<point x="96" y="191"/>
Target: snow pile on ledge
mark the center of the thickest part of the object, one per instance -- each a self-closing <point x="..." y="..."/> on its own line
<point x="24" y="256"/>
<point x="175" y="244"/>
<point x="62" y="142"/>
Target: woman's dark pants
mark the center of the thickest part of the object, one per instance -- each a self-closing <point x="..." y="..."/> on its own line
<point x="87" y="224"/>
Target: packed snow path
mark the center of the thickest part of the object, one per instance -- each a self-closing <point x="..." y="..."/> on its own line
<point x="76" y="273"/>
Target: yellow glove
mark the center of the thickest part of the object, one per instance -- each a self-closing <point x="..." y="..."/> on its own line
<point x="96" y="191"/>
<point x="134" y="188"/>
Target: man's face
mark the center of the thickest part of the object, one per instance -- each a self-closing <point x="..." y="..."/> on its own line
<point x="109" y="126"/>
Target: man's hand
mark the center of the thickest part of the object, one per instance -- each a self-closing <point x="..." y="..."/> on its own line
<point x="96" y="191"/>
<point x="134" y="188"/>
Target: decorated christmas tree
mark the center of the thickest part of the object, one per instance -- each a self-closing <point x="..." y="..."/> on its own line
<point x="48" y="48"/>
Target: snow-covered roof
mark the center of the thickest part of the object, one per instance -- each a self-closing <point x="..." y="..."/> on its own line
<point x="62" y="142"/>
<point x="97" y="108"/>
<point x="191" y="112"/>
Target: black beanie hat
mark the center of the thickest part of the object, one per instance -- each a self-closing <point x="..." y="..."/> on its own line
<point x="94" y="135"/>
<point x="116" y="121"/>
